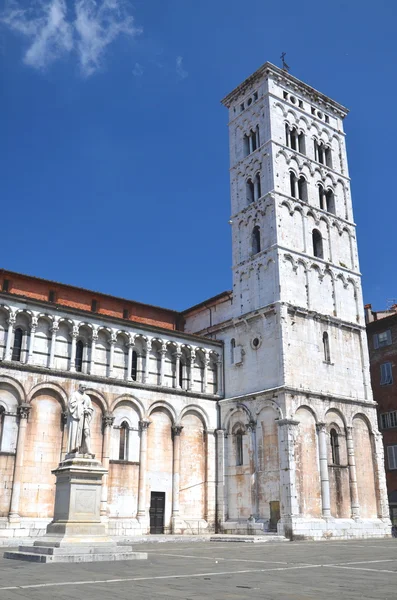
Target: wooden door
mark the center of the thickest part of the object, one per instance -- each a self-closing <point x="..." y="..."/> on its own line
<point x="157" y="507"/>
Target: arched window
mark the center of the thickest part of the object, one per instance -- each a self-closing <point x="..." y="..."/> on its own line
<point x="181" y="373"/>
<point x="286" y="134"/>
<point x="246" y="145"/>
<point x="327" y="355"/>
<point x="123" y="446"/>
<point x="250" y="191"/>
<point x="258" y="186"/>
<point x="292" y="182"/>
<point x="232" y="350"/>
<point x="134" y="365"/>
<point x="17" y="347"/>
<point x="317" y="244"/>
<point x="301" y="143"/>
<point x="256" y="240"/>
<point x="330" y="198"/>
<point x="239" y="449"/>
<point x="335" y="447"/>
<point x="302" y="188"/>
<point x="328" y="157"/>
<point x="79" y="356"/>
<point x="321" y="196"/>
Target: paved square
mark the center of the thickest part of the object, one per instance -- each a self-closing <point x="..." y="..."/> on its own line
<point x="364" y="569"/>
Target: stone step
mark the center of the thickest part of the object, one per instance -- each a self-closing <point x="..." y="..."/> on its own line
<point x="248" y="539"/>
<point x="68" y="549"/>
<point x="75" y="557"/>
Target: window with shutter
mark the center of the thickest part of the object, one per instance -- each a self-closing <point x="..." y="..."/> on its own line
<point x="392" y="457"/>
<point x="384" y="339"/>
<point x="386" y="377"/>
<point x="375" y="341"/>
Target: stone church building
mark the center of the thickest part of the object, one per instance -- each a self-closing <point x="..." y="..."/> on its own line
<point x="249" y="412"/>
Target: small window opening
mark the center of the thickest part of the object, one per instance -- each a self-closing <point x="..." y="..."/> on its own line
<point x="126" y="313"/>
<point x="328" y="157"/>
<point x="232" y="350"/>
<point x="286" y="134"/>
<point x="321" y="196"/>
<point x="94" y="305"/>
<point x="255" y="96"/>
<point x="293" y="137"/>
<point x="134" y="365"/>
<point x="180" y="374"/>
<point x="79" y="356"/>
<point x="313" y="111"/>
<point x="301" y="143"/>
<point x="285" y="95"/>
<point x="239" y="449"/>
<point x="17" y="347"/>
<point x="51" y="296"/>
<point x="6" y="285"/>
<point x="256" y="240"/>
<point x="327" y="355"/>
<point x="300" y="104"/>
<point x="123" y="446"/>
<point x="335" y="447"/>
<point x="292" y="181"/>
<point x="249" y="101"/>
<point x="242" y="107"/>
<point x="250" y="191"/>
<point x="317" y="244"/>
<point x="258" y="186"/>
<point x="330" y="198"/>
<point x="302" y="188"/>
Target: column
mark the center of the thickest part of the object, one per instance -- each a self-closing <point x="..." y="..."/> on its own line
<point x="220" y="479"/>
<point x="251" y="426"/>
<point x="147" y="360"/>
<point x="139" y="367"/>
<point x="23" y="412"/>
<point x="324" y="477"/>
<point x="191" y="369"/>
<point x="219" y="377"/>
<point x="72" y="364"/>
<point x="130" y="346"/>
<point x="205" y="373"/>
<point x="143" y="427"/>
<point x="53" y="342"/>
<point x="210" y="496"/>
<point x="163" y="352"/>
<point x="176" y="436"/>
<point x="11" y="324"/>
<point x="112" y="343"/>
<point x="177" y="383"/>
<point x="94" y="339"/>
<point x="107" y="423"/>
<point x="33" y="327"/>
<point x="380" y="477"/>
<point x="355" y="504"/>
<point x="289" y="500"/>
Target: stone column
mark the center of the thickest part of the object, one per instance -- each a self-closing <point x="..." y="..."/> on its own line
<point x="33" y="327"/>
<point x="177" y="383"/>
<point x="355" y="504"/>
<point x="176" y="465"/>
<point x="94" y="339"/>
<point x="23" y="412"/>
<point x="112" y="343"/>
<point x="141" y="514"/>
<point x="10" y="334"/>
<point x="380" y="478"/>
<point x="53" y="330"/>
<point x="219" y="376"/>
<point x="163" y="352"/>
<point x="107" y="423"/>
<point x="205" y="373"/>
<point x="139" y="367"/>
<point x="147" y="360"/>
<point x="210" y="450"/>
<point x="251" y="426"/>
<point x="324" y="476"/>
<point x="289" y="501"/>
<point x="220" y="479"/>
<point x="72" y="364"/>
<point x="130" y="346"/>
<point x="191" y="369"/>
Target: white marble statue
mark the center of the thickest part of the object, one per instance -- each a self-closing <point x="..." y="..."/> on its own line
<point x="80" y="413"/>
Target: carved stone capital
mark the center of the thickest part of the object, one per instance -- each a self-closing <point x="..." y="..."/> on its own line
<point x="107" y="420"/>
<point x="251" y="425"/>
<point x="144" y="424"/>
<point x="321" y="427"/>
<point x="11" y="319"/>
<point x="24" y="410"/>
<point x="54" y="328"/>
<point x="75" y="332"/>
<point x="176" y="430"/>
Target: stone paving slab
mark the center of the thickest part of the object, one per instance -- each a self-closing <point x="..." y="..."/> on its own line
<point x="365" y="570"/>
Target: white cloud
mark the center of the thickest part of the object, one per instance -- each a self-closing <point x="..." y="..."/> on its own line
<point x="46" y="26"/>
<point x="137" y="70"/>
<point x="179" y="69"/>
<point x="52" y="30"/>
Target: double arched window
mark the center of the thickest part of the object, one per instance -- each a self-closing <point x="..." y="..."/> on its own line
<point x="251" y="141"/>
<point x="322" y="153"/>
<point x="326" y="199"/>
<point x="295" y="139"/>
<point x="298" y="186"/>
<point x="253" y="189"/>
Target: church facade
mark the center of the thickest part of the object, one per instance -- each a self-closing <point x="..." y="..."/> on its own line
<point x="249" y="412"/>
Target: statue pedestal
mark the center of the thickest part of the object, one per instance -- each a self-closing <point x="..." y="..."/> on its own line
<point x="76" y="533"/>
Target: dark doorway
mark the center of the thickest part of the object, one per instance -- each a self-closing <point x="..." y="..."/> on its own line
<point x="274" y="515"/>
<point x="157" y="506"/>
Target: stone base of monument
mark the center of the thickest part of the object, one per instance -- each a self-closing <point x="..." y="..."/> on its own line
<point x="76" y="534"/>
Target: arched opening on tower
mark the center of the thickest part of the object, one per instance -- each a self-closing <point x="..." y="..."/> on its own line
<point x="317" y="244"/>
<point x="256" y="240"/>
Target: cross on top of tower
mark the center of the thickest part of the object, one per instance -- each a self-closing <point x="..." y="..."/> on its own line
<point x="285" y="66"/>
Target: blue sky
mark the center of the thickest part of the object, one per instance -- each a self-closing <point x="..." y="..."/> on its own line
<point x="114" y="161"/>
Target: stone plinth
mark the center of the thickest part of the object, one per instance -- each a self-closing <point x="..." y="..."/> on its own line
<point x="76" y="533"/>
